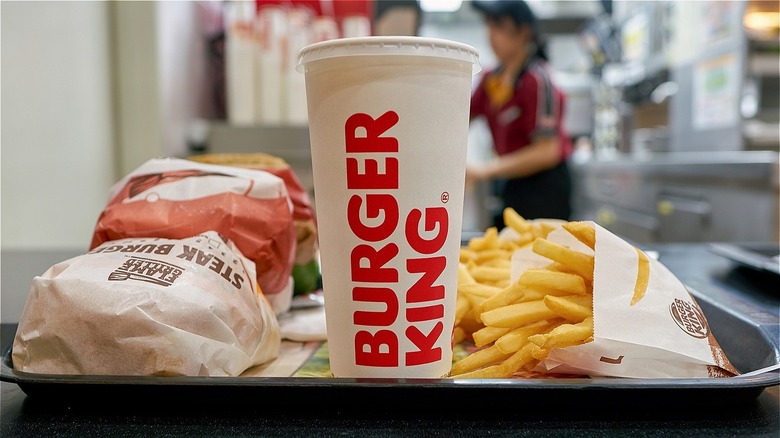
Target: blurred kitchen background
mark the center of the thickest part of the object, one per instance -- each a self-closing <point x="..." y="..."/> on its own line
<point x="673" y="105"/>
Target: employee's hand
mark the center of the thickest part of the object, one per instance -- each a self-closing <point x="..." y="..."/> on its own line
<point x="474" y="174"/>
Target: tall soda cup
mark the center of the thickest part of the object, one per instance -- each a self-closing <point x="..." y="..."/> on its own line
<point x="388" y="124"/>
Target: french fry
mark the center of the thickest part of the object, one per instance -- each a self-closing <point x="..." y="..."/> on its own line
<point x="583" y="231"/>
<point x="562" y="281"/>
<point x="490" y="372"/>
<point x="462" y="305"/>
<point x="547" y="228"/>
<point x="539" y="292"/>
<point x="509" y="295"/>
<point x="484" y="274"/>
<point x="514" y="220"/>
<point x="483" y="256"/>
<point x="486" y="335"/>
<point x="514" y="326"/>
<point x="538" y="232"/>
<point x="478" y="359"/>
<point x="580" y="263"/>
<point x="464" y="276"/>
<point x="459" y="335"/>
<point x="506" y="368"/>
<point x="564" y="335"/>
<point x="467" y="254"/>
<point x="539" y="353"/>
<point x="559" y="267"/>
<point x="509" y="245"/>
<point x="488" y="241"/>
<point x="469" y="323"/>
<point x="474" y="301"/>
<point x="481" y="290"/>
<point x="516" y="315"/>
<point x="515" y="339"/>
<point x="518" y="360"/>
<point x="526" y="238"/>
<point x="573" y="308"/>
<point x="498" y="263"/>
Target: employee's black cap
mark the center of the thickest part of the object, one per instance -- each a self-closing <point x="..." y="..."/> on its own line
<point x="517" y="10"/>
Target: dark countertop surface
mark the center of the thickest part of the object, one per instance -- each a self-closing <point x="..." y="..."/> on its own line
<point x="694" y="264"/>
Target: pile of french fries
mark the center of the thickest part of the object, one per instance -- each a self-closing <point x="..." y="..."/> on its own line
<point x="515" y="325"/>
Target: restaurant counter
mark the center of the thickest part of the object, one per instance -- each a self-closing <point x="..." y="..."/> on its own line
<point x="697" y="266"/>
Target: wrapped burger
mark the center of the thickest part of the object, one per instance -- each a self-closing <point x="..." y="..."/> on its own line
<point x="148" y="306"/>
<point x="306" y="266"/>
<point x="177" y="198"/>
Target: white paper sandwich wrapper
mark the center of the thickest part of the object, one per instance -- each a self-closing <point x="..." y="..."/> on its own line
<point x="662" y="334"/>
<point x="148" y="306"/>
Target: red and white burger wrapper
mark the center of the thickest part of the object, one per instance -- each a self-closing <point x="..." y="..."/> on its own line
<point x="148" y="306"/>
<point x="646" y="323"/>
<point x="176" y="198"/>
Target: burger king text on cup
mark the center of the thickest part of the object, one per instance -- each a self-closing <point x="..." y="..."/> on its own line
<point x="372" y="277"/>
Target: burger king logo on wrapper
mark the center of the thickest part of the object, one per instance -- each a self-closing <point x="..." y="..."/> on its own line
<point x="689" y="318"/>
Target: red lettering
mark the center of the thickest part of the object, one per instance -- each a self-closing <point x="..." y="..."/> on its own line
<point x="368" y="349"/>
<point x="374" y="217"/>
<point x="423" y="289"/>
<point x="371" y="178"/>
<point x="434" y="216"/>
<point x="427" y="313"/>
<point x="375" y="295"/>
<point x="371" y="141"/>
<point x="376" y="260"/>
<point x="427" y="353"/>
<point x="375" y="204"/>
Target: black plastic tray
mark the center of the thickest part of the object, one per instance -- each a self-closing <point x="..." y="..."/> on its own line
<point x="750" y="346"/>
<point x="759" y="256"/>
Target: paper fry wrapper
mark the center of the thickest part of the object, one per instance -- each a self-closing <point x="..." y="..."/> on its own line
<point x="646" y="323"/>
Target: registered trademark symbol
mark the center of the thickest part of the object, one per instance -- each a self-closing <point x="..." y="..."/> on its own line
<point x="445" y="197"/>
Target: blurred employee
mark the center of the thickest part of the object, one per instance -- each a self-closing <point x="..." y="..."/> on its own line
<point x="524" y="111"/>
<point x="397" y="17"/>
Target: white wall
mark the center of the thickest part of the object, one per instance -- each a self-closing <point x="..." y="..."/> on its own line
<point x="161" y="76"/>
<point x="56" y="136"/>
<point x="138" y="115"/>
<point x="56" y="133"/>
<point x="90" y="90"/>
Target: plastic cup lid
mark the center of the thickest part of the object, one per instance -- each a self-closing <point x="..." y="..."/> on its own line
<point x="389" y="45"/>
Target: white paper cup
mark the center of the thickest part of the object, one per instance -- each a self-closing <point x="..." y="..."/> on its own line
<point x="388" y="123"/>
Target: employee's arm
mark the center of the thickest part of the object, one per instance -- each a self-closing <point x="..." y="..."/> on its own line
<point x="544" y="153"/>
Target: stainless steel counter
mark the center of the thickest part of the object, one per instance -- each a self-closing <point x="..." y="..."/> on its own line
<point x="682" y="197"/>
<point x="759" y="168"/>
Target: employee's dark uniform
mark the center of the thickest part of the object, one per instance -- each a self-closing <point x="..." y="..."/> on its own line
<point x="532" y="109"/>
